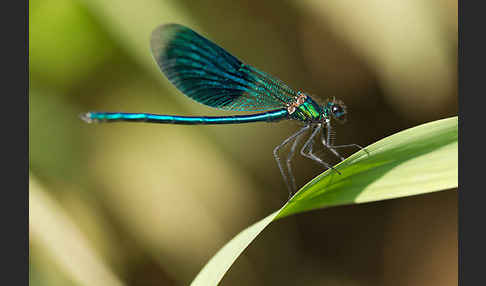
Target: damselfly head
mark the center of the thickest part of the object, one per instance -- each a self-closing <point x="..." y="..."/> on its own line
<point x="336" y="109"/>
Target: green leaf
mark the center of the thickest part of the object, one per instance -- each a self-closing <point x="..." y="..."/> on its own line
<point x="416" y="161"/>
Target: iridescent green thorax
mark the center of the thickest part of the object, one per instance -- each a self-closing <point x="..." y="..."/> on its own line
<point x="327" y="109"/>
<point x="308" y="111"/>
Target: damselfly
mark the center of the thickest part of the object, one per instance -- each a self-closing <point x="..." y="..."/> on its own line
<point x="208" y="74"/>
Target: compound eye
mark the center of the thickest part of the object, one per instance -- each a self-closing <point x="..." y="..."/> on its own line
<point x="337" y="110"/>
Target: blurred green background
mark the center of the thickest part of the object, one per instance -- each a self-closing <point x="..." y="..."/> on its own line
<point x="142" y="204"/>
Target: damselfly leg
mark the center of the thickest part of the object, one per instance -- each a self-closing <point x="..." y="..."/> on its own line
<point x="295" y="136"/>
<point x="289" y="160"/>
<point x="327" y="142"/>
<point x="307" y="149"/>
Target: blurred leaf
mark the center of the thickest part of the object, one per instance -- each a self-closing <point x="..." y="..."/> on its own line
<point x="52" y="230"/>
<point x="131" y="23"/>
<point x="44" y="272"/>
<point x="65" y="42"/>
<point x="418" y="160"/>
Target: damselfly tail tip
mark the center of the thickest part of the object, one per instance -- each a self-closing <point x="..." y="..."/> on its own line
<point x="86" y="117"/>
